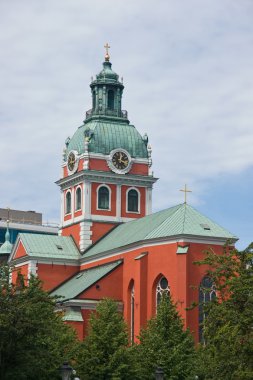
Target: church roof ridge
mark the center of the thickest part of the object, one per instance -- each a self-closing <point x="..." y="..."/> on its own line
<point x="178" y="220"/>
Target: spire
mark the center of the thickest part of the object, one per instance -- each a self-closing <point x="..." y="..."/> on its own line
<point x="7" y="233"/>
<point x="6" y="248"/>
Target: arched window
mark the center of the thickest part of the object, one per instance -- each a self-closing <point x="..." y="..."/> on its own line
<point x="110" y="99"/>
<point x="161" y="288"/>
<point x="132" y="314"/>
<point x="133" y="201"/>
<point x="78" y="199"/>
<point x="93" y="99"/>
<point x="207" y="293"/>
<point x="103" y="198"/>
<point x="68" y="202"/>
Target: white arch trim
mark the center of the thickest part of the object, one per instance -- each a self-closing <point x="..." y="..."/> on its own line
<point x="78" y="187"/>
<point x="68" y="192"/>
<point x="139" y="201"/>
<point x="110" y="197"/>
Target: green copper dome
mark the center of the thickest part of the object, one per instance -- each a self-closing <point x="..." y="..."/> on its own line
<point x="107" y="74"/>
<point x="106" y="126"/>
<point x="106" y="135"/>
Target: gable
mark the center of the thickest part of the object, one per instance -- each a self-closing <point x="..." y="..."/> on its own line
<point x="19" y="251"/>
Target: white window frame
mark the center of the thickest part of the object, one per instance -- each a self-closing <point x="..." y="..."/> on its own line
<point x="78" y="187"/>
<point x="110" y="197"/>
<point x="139" y="201"/>
<point x="68" y="191"/>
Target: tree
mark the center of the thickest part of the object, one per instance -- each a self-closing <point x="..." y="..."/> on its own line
<point x="165" y="343"/>
<point x="104" y="353"/>
<point x="34" y="341"/>
<point x="228" y="325"/>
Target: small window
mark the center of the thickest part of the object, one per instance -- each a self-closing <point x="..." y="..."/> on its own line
<point x="206" y="227"/>
<point x="132" y="201"/>
<point x="78" y="198"/>
<point x="59" y="247"/>
<point x="111" y="99"/>
<point x="68" y="202"/>
<point x="103" y="198"/>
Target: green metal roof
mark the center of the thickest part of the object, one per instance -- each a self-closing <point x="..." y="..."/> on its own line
<point x="182" y="250"/>
<point x="178" y="220"/>
<point x="109" y="135"/>
<point x="51" y="246"/>
<point x="73" y="314"/>
<point x="107" y="75"/>
<point x="83" y="280"/>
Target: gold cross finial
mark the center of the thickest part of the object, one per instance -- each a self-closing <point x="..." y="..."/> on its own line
<point x="107" y="57"/>
<point x="185" y="191"/>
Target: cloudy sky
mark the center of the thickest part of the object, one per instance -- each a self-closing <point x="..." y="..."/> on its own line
<point x="188" y="74"/>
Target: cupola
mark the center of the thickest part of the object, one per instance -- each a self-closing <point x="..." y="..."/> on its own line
<point x="106" y="92"/>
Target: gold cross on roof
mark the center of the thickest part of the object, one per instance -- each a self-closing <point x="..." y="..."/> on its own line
<point x="185" y="191"/>
<point x="107" y="57"/>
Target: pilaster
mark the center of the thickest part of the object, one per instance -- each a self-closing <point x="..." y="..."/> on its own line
<point x="85" y="235"/>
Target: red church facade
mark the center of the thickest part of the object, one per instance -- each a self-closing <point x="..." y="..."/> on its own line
<point x="110" y="244"/>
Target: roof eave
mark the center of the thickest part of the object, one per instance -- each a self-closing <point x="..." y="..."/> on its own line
<point x="156" y="241"/>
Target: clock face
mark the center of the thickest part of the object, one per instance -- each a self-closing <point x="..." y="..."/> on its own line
<point x="120" y="160"/>
<point x="72" y="161"/>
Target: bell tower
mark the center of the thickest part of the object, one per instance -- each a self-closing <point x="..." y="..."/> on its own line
<point x="106" y="169"/>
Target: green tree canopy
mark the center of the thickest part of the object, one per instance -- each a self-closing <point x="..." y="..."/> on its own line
<point x="165" y="343"/>
<point x="104" y="353"/>
<point x="228" y="325"/>
<point x="34" y="341"/>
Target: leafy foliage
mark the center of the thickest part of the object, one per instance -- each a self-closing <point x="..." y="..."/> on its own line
<point x="228" y="327"/>
<point x="165" y="343"/>
<point x="104" y="353"/>
<point x="34" y="341"/>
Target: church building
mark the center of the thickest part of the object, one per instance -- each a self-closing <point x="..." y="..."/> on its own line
<point x="110" y="244"/>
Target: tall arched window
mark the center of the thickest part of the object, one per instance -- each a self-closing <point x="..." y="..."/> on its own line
<point x="68" y="202"/>
<point x="161" y="288"/>
<point x="132" y="314"/>
<point x="103" y="198"/>
<point x="93" y="99"/>
<point x="110" y="99"/>
<point x="78" y="199"/>
<point x="207" y="293"/>
<point x="133" y="201"/>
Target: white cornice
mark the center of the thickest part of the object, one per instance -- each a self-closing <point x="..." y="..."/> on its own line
<point x="43" y="260"/>
<point x="107" y="177"/>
